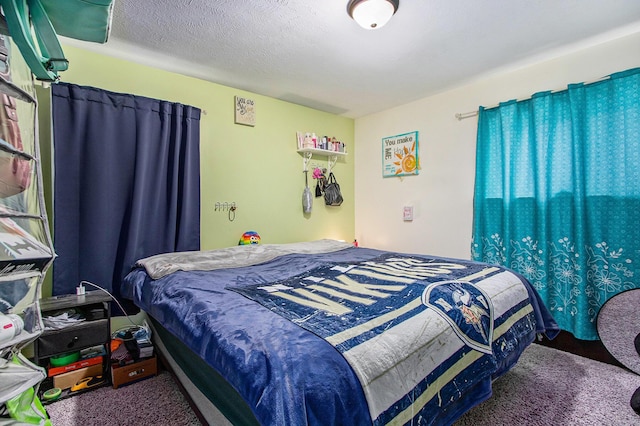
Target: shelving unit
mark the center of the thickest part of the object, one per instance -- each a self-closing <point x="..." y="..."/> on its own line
<point x="94" y="331"/>
<point x="26" y="251"/>
<point x="308" y="153"/>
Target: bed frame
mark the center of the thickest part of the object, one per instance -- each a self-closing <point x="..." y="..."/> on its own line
<point x="213" y="400"/>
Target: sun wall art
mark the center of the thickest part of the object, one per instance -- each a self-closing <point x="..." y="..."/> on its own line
<point x="400" y="155"/>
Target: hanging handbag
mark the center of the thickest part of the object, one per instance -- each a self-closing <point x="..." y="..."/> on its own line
<point x="87" y="20"/>
<point x="34" y="26"/>
<point x="332" y="194"/>
<point x="36" y="38"/>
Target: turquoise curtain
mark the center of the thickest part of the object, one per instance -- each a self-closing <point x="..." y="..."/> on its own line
<point x="557" y="194"/>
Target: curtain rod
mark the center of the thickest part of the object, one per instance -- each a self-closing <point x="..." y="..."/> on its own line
<point x="463" y="115"/>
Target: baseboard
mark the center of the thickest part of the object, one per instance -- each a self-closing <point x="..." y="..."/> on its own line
<point x="592" y="349"/>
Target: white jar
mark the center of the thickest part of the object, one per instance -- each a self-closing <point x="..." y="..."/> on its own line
<point x="10" y="326"/>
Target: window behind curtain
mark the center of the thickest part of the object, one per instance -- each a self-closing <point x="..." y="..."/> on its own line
<point x="557" y="195"/>
<point x="127" y="183"/>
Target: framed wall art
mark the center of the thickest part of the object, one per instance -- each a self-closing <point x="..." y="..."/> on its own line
<point x="400" y="155"/>
<point x="245" y="111"/>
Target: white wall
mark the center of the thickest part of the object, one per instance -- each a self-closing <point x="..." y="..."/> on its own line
<point x="442" y="194"/>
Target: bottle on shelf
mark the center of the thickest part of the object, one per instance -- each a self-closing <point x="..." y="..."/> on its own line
<point x="10" y="326"/>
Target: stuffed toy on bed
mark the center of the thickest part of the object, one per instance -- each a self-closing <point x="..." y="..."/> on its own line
<point x="249" y="237"/>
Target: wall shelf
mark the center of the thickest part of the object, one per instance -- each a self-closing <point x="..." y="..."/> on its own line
<point x="308" y="153"/>
<point x="325" y="152"/>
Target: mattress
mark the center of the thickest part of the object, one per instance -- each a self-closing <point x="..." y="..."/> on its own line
<point x="327" y="333"/>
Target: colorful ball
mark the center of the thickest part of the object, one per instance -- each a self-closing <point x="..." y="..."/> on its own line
<point x="249" y="237"/>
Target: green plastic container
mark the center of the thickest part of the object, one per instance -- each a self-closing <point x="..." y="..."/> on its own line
<point x="64" y="359"/>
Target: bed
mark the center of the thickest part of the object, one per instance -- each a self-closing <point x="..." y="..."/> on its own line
<point x="326" y="333"/>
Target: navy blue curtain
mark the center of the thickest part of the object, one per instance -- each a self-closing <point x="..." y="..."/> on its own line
<point x="126" y="184"/>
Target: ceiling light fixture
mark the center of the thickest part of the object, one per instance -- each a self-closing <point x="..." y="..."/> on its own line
<point x="372" y="14"/>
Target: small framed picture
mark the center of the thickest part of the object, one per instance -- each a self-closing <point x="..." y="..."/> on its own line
<point x="400" y="155"/>
<point x="245" y="111"/>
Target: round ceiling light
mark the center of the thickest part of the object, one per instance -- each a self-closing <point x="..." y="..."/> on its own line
<point x="372" y="14"/>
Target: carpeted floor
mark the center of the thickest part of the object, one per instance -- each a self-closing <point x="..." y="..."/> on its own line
<point x="546" y="387"/>
<point x="550" y="387"/>
<point x="154" y="401"/>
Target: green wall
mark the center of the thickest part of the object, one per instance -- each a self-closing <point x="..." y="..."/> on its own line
<point x="258" y="167"/>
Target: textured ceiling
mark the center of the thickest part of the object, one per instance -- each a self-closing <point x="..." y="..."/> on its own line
<point x="311" y="53"/>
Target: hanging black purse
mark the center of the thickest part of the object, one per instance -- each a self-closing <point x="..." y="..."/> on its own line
<point x="332" y="194"/>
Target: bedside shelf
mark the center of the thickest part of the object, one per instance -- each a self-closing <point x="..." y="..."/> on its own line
<point x="95" y="330"/>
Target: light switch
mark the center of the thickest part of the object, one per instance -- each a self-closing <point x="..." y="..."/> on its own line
<point x="407" y="213"/>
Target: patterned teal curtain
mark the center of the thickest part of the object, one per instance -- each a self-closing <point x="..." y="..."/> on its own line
<point x="557" y="194"/>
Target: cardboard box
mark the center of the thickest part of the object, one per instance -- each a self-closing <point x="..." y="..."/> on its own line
<point x="66" y="380"/>
<point x="122" y="375"/>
